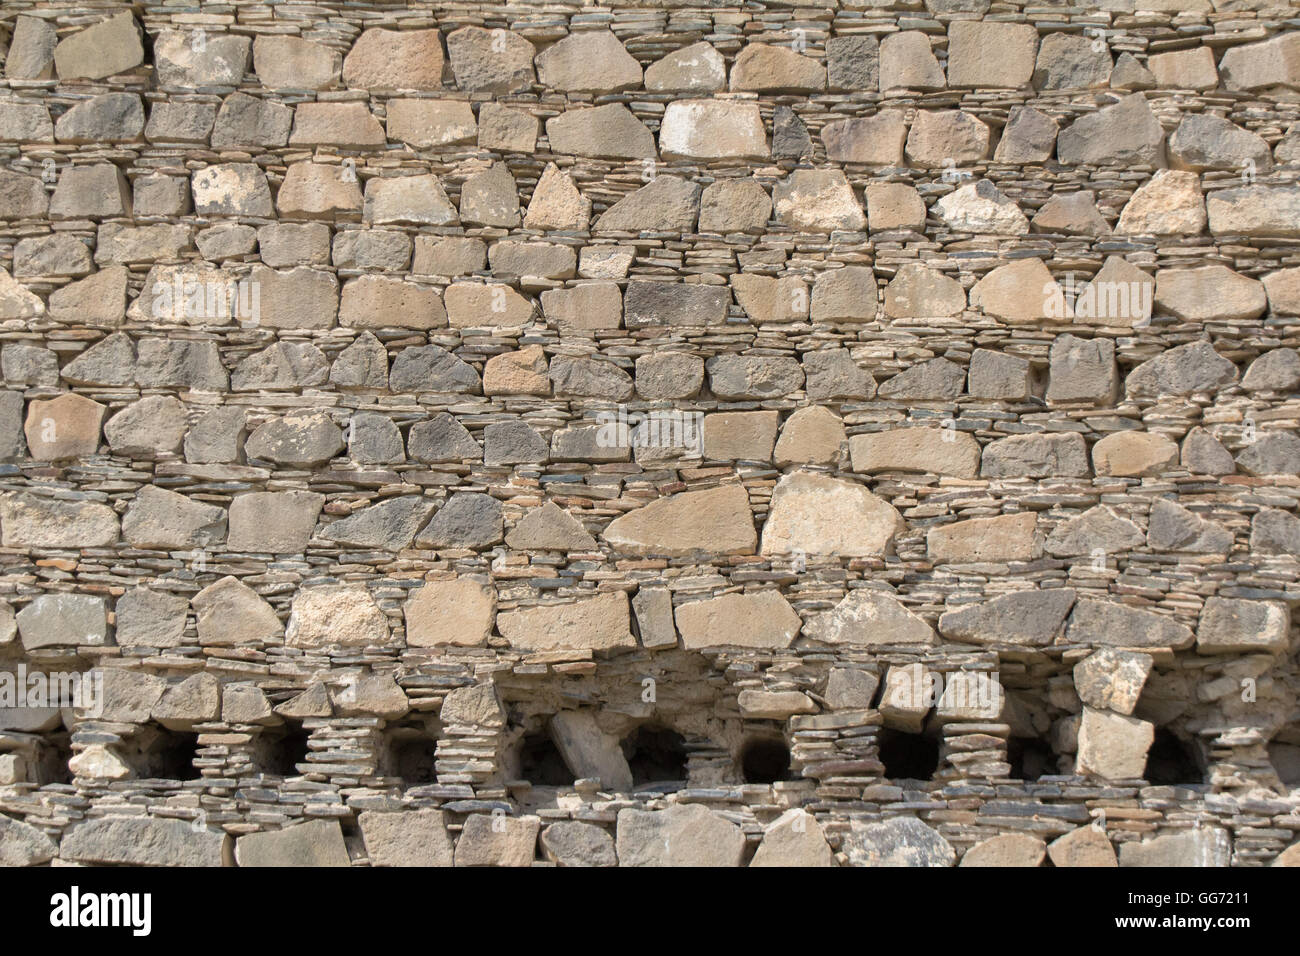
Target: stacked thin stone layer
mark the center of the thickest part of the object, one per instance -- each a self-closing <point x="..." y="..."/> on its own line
<point x="392" y="391"/>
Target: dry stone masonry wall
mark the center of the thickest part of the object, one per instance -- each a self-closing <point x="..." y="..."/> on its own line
<point x="659" y="433"/>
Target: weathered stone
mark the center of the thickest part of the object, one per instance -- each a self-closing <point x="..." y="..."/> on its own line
<point x="32" y="521"/>
<point x="556" y="203"/>
<point x="1204" y="141"/>
<point x="289" y="62"/>
<point x="1036" y="456"/>
<point x="817" y="200"/>
<point x="1096" y="530"/>
<point x="790" y="137"/>
<point x="1170" y="203"/>
<point x="31" y="54"/>
<point x="1205" y="847"/>
<point x="666" y="204"/>
<point x="832" y="374"/>
<point x="490" y="198"/>
<point x="869" y="617"/>
<point x="508" y="130"/>
<point x="1004" y="538"/>
<point x="22" y="844"/>
<point x="64" y="427"/>
<point x="981" y="208"/>
<point x="97" y="191"/>
<point x="22" y="197"/>
<point x="420" y="200"/>
<point x="1126" y="133"/>
<point x="318" y="191"/>
<point x="573" y="843"/>
<point x="908" y="62"/>
<point x="933" y="380"/>
<point x="1195" y="367"/>
<point x="876" y="140"/>
<point x="169" y="521"/>
<point x="1229" y="626"/>
<point x="276" y="522"/>
<point x="1112" y="680"/>
<point x="388" y="525"/>
<point x="406" y="838"/>
<point x="762" y="68"/>
<point x="845" y="295"/>
<point x="394" y="60"/>
<point x="1006" y="849"/>
<point x="492" y="61"/>
<point x="759" y="619"/>
<point x="1075" y="214"/>
<point x="336" y="615"/>
<point x="1190" y="69"/>
<point x="708" y="130"/>
<point x="450" y="256"/>
<point x="149" y="618"/>
<point x="578" y="377"/>
<point x="990" y="53"/>
<point x="1068" y="62"/>
<point x="848" y="688"/>
<point x="1113" y="746"/>
<point x="459" y="612"/>
<point x="62" y="620"/>
<point x="894" y="206"/>
<point x="1032" y="618"/>
<point x="468" y="520"/>
<point x="738" y="377"/>
<point x="916" y="449"/>
<point x="589" y="61"/>
<point x="697" y="68"/>
<point x="1083" y="370"/>
<point x="1256" y="66"/>
<point x="897" y="841"/>
<point x="945" y="138"/>
<point x="143" y="841"/>
<point x="1106" y="623"/>
<point x="853" y="63"/>
<point x="517" y="373"/>
<point x="229" y="612"/>
<point x="682" y="834"/>
<point x="497" y="841"/>
<point x="1272" y="453"/>
<point x="1255" y="211"/>
<point x="811" y="436"/>
<point x="513" y="443"/>
<point x="106" y="48"/>
<point x="315" y="843"/>
<point x="589" y="752"/>
<point x="674" y="304"/>
<point x="601" y="132"/>
<point x="600" y="623"/>
<point x="1086" y="846"/>
<point x="714" y="520"/>
<point x="816" y="514"/>
<point x="1273" y="531"/>
<point x="1172" y="527"/>
<point x="1132" y="454"/>
<point x="917" y="291"/>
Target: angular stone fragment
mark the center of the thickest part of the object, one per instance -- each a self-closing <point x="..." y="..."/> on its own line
<point x="469" y="519"/>
<point x="22" y="197"/>
<point x="1195" y="367"/>
<point x="715" y="520"/>
<point x="182" y="122"/>
<point x="513" y="443"/>
<point x="1126" y="134"/>
<point x="759" y="619"/>
<point x="573" y="843"/>
<point x="1006" y="849"/>
<point x="406" y="838"/>
<point x="166" y="520"/>
<point x="317" y="191"/>
<point x="601" y="132"/>
<point x="1107" y="623"/>
<point x="674" y="304"/>
<point x="907" y="61"/>
<point x="298" y="440"/>
<point x="897" y="841"/>
<point x="588" y="61"/>
<point x="394" y="60"/>
<point x="149" y="618"/>
<point x="1172" y="527"/>
<point x="64" y="427"/>
<point x="1205" y="847"/>
<point x="760" y="67"/>
<point x="666" y="204"/>
<point x="220" y="60"/>
<point x="669" y="374"/>
<point x="388" y="525"/>
<point x="1004" y="538"/>
<point x="1096" y="530"/>
<point x="981" y="208"/>
<point x="1113" y="746"/>
<point x="579" y="377"/>
<point x="1233" y="626"/>
<point x="378" y="302"/>
<point x="490" y="61"/>
<point x="916" y="449"/>
<point x="917" y="291"/>
<point x="1129" y="74"/>
<point x="1031" y="618"/>
<point x="289" y="62"/>
<point x="316" y="843"/>
<point x="794" y="839"/>
<point x="853" y="63"/>
<point x="32" y="521"/>
<point x="933" y="380"/>
<point x="738" y="377"/>
<point x="1191" y="69"/>
<point x="876" y="140"/>
<point x="1086" y="846"/>
<point x="1074" y="214"/>
<point x="517" y="373"/>
<point x="342" y="124"/>
<point x="1083" y="370"/>
<point x="894" y="206"/>
<point x="103" y="49"/>
<point x="507" y="130"/>
<point x="742" y="436"/>
<point x="230" y="613"/>
<point x="869" y="617"/>
<point x="1028" y="137"/>
<point x="697" y="68"/>
<point x="1134" y="454"/>
<point x="589" y="751"/>
<point x="845" y="295"/>
<point x="811" y="436"/>
<point x="374" y="439"/>
<point x="419" y="200"/>
<point x="600" y="623"/>
<point x="1203" y="141"/>
<point x="217" y="437"/>
<point x="708" y="130"/>
<point x="679" y="835"/>
<point x="480" y="305"/>
<point x="1068" y="62"/>
<point x="1170" y="203"/>
<point x="832" y="374"/>
<point x="109" y="117"/>
<point x="1255" y="211"/>
<point x="490" y="198"/>
<point x="22" y="844"/>
<point x="142" y="840"/>
<point x="1112" y="680"/>
<point x="232" y="189"/>
<point x="96" y="191"/>
<point x="1036" y="456"/>
<point x="654" y="617"/>
<point x="818" y="200"/>
<point x="497" y="841"/>
<point x="556" y="203"/>
<point x="816" y="514"/>
<point x="945" y="138"/>
<point x="31" y="50"/>
<point x="62" y="620"/>
<point x="1119" y="295"/>
<point x="990" y="53"/>
<point x="1272" y="453"/>
<point x="336" y="615"/>
<point x="790" y="139"/>
<point x="275" y="522"/>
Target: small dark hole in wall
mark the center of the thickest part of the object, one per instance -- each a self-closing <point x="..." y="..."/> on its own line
<point x="908" y="756"/>
<point x="541" y="764"/>
<point x="1172" y="761"/>
<point x="765" y="760"/>
<point x="52" y="754"/>
<point x="166" y="755"/>
<point x="1030" y="758"/>
<point x="281" y="750"/>
<point x="411" y="754"/>
<point x="655" y="755"/>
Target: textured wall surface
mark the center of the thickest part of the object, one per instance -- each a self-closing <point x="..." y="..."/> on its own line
<point x="664" y="433"/>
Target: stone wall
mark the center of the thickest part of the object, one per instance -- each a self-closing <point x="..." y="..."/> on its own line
<point x="650" y="434"/>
